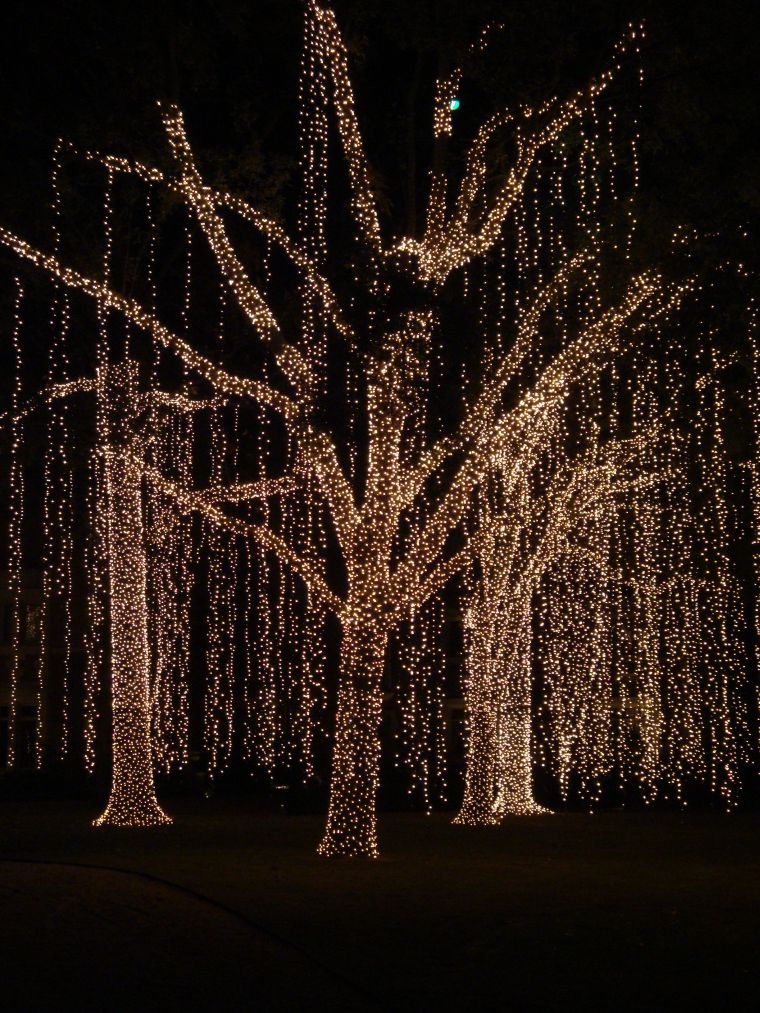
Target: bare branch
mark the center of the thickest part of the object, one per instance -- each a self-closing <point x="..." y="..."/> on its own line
<point x="226" y="382"/>
<point x="268" y="539"/>
<point x="362" y="198"/>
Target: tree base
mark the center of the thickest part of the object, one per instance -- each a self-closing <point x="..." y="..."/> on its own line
<point x="472" y="816"/>
<point x="331" y="847"/>
<point x="519" y="804"/>
<point x="120" y="813"/>
<point x="526" y="809"/>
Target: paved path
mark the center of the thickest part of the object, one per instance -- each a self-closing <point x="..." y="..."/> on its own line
<point x="94" y="939"/>
<point x="651" y="912"/>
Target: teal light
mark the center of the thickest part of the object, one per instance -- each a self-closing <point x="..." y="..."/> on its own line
<point x="454" y="104"/>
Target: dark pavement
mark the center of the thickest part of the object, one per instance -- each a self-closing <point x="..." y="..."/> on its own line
<point x="231" y="909"/>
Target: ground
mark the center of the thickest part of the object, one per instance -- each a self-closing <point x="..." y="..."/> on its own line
<point x="231" y="909"/>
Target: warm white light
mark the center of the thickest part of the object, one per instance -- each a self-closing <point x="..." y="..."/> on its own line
<point x="523" y="503"/>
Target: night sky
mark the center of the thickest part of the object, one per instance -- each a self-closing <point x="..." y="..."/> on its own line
<point x="92" y="73"/>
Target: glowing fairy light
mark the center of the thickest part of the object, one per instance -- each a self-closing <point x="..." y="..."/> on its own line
<point x="15" y="525"/>
<point x="381" y="591"/>
<point x="132" y="801"/>
<point x="408" y="510"/>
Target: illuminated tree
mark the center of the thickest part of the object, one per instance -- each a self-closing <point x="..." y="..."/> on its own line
<point x="605" y="619"/>
<point x="528" y="529"/>
<point x="400" y="516"/>
<point x="133" y="799"/>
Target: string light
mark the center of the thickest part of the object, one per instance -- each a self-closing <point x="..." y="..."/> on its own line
<point x="381" y="590"/>
<point x="396" y="500"/>
<point x="15" y="525"/>
<point x="132" y="801"/>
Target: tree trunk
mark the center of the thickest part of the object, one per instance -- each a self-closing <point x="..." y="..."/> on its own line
<point x="351" y="829"/>
<point x="514" y="765"/>
<point x="480" y="758"/>
<point x="133" y="798"/>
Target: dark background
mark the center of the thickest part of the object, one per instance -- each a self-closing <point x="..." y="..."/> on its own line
<point x="91" y="73"/>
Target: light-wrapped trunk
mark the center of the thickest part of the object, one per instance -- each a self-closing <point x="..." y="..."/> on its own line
<point x="351" y="829"/>
<point x="477" y="804"/>
<point x="514" y="764"/>
<point x="499" y="771"/>
<point x="480" y="753"/>
<point x="132" y="801"/>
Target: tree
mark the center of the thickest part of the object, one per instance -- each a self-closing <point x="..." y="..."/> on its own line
<point x="392" y="566"/>
<point x="605" y="601"/>
<point x="555" y="522"/>
<point x="133" y="798"/>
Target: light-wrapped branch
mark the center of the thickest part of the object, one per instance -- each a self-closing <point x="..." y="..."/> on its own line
<point x="245" y="210"/>
<point x="260" y="533"/>
<point x="53" y="392"/>
<point x="524" y="422"/>
<point x="362" y="197"/>
<point x="220" y="378"/>
<point x="450" y="244"/>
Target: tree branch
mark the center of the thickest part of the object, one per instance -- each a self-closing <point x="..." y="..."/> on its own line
<point x="267" y="226"/>
<point x="264" y="535"/>
<point x="362" y="198"/>
<point x="224" y="381"/>
<point x="553" y="384"/>
<point x="54" y="392"/>
<point x="449" y="246"/>
<point x="200" y="198"/>
<point x="182" y="403"/>
<point x="264" y="488"/>
<point x="479" y="416"/>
